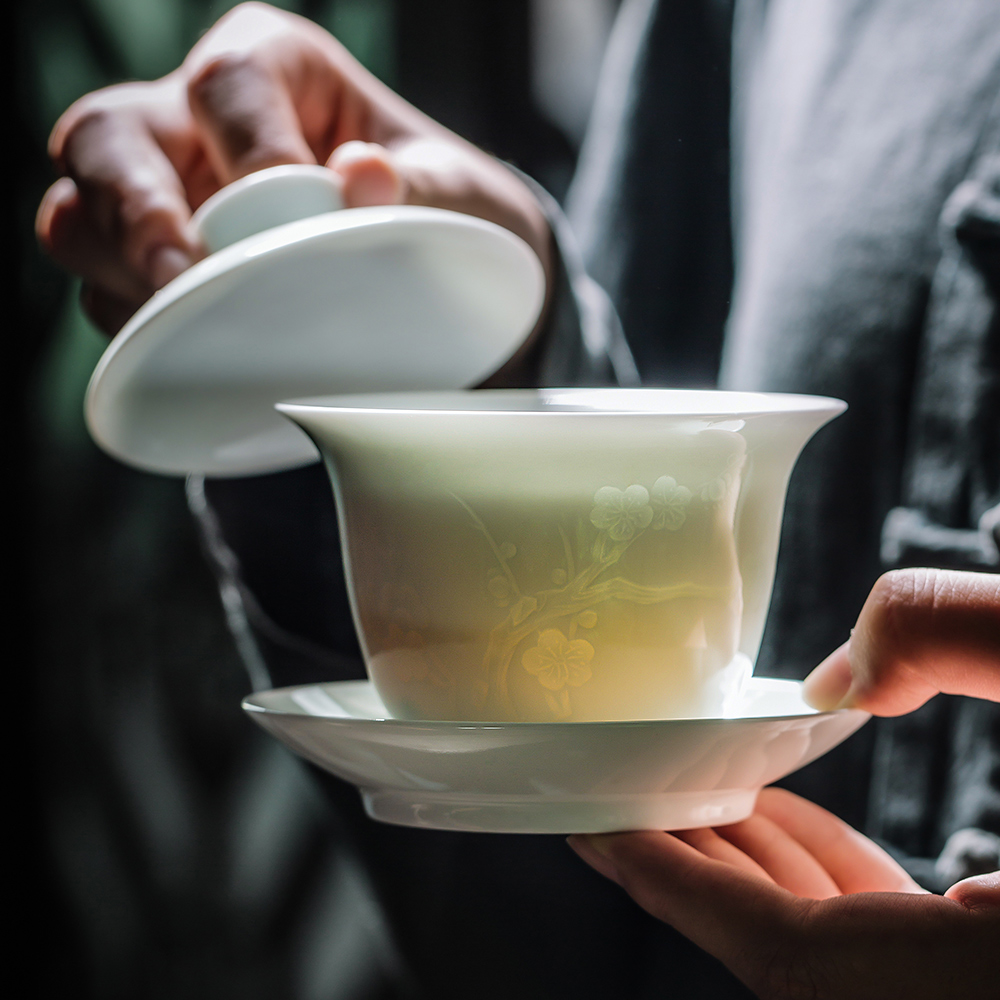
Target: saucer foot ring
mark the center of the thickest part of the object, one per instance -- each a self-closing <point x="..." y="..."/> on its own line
<point x="563" y="815"/>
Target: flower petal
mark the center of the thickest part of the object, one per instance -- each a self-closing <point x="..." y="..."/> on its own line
<point x="534" y="661"/>
<point x="608" y="504"/>
<point x="555" y="659"/>
<point x="642" y="517"/>
<point x="552" y="639"/>
<point x="636" y="496"/>
<point x="555" y="677"/>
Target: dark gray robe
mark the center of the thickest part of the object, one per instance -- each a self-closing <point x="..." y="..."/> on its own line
<point x="865" y="177"/>
<point x="833" y="229"/>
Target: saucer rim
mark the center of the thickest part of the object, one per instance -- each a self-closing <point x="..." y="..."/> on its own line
<point x="455" y="725"/>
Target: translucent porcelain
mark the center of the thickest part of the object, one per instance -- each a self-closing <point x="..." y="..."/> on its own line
<point x="561" y="554"/>
<point x="265" y="199"/>
<point x="594" y="777"/>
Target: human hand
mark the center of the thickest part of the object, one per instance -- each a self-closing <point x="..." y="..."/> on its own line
<point x="262" y="87"/>
<point x="797" y="904"/>
<point x="921" y="632"/>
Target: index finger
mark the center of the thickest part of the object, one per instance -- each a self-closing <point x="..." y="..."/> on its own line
<point x="854" y="862"/>
<point x="246" y="115"/>
<point x="128" y="188"/>
<point x="740" y="918"/>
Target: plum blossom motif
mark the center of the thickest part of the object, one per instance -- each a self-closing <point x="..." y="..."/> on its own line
<point x="557" y="661"/>
<point x="584" y="581"/>
<point x="621" y="513"/>
<point x="714" y="491"/>
<point x="669" y="503"/>
<point x="405" y="649"/>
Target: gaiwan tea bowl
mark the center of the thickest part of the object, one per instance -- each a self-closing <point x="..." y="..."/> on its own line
<point x="560" y="554"/>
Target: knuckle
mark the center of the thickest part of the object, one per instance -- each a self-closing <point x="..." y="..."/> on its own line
<point x="891" y="587"/>
<point x="239" y="100"/>
<point x="88" y="109"/>
<point x="902" y="599"/>
<point x="90" y="116"/>
<point x="218" y="79"/>
<point x="240" y="103"/>
<point x="892" y="596"/>
<point x="145" y="205"/>
<point x="100" y="112"/>
<point x="95" y="106"/>
<point x="252" y="10"/>
<point x="259" y="25"/>
<point x="145" y="219"/>
<point x="882" y="631"/>
<point x="51" y="212"/>
<point x="242" y="42"/>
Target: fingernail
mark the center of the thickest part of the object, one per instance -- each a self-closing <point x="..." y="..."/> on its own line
<point x="354" y="150"/>
<point x="165" y="263"/>
<point x="830" y="685"/>
<point x="593" y="850"/>
<point x="978" y="892"/>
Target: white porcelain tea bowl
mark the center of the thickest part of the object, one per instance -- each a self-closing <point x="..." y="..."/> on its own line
<point x="587" y="777"/>
<point x="560" y="555"/>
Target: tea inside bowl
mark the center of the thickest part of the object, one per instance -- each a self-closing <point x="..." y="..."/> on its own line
<point x="560" y="555"/>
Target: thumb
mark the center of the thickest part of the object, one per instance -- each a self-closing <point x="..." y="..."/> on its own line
<point x="442" y="171"/>
<point x="921" y="631"/>
<point x="368" y="175"/>
<point x="979" y="893"/>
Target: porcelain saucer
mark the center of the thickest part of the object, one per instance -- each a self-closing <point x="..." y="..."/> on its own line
<point x="583" y="777"/>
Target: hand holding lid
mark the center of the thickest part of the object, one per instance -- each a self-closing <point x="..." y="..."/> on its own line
<point x="293" y="303"/>
<point x="261" y="87"/>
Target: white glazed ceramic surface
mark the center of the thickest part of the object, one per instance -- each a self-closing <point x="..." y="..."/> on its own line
<point x="561" y="555"/>
<point x="366" y="299"/>
<point x="264" y="200"/>
<point x="553" y="778"/>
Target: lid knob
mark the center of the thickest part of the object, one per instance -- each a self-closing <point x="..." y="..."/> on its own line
<point x="266" y="199"/>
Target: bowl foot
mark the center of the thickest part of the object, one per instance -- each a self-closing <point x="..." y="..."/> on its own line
<point x="486" y="813"/>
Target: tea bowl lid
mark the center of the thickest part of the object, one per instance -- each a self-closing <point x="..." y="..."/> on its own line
<point x="300" y="298"/>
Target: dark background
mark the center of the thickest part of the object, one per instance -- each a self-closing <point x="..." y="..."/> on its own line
<point x="145" y="803"/>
